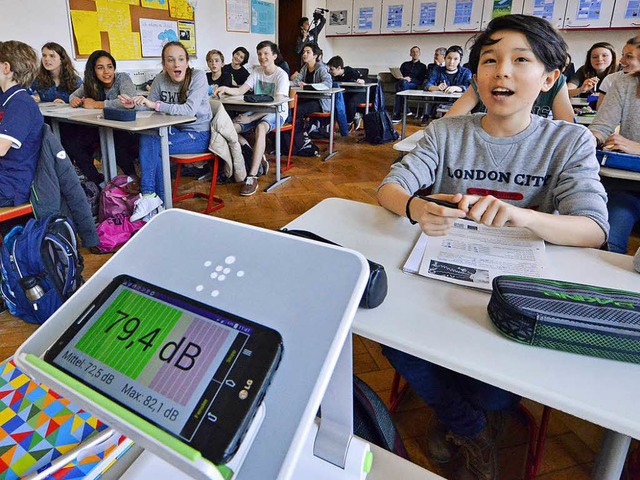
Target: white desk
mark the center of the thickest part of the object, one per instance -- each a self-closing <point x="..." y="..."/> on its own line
<point x="426" y="95"/>
<point x="449" y="325"/>
<point x="149" y="123"/>
<point x="579" y="101"/>
<point x="360" y="87"/>
<point x="585" y="119"/>
<point x="323" y="94"/>
<point x="237" y="103"/>
<point x="407" y="144"/>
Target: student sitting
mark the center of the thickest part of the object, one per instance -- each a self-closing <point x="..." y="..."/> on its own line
<point x="101" y="87"/>
<point x="340" y="73"/>
<point x="438" y="60"/>
<point x="282" y="63"/>
<point x="313" y="71"/>
<point x="57" y="78"/>
<point x="20" y="122"/>
<point x="515" y="58"/>
<point x="601" y="61"/>
<point x="267" y="79"/>
<point x="621" y="106"/>
<point x="629" y="63"/>
<point x="569" y="69"/>
<point x="236" y="69"/>
<point x="413" y="72"/>
<point x="177" y="90"/>
<point x="452" y="78"/>
<point x="217" y="77"/>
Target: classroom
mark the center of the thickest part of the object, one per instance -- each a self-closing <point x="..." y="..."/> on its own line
<point x="552" y="434"/>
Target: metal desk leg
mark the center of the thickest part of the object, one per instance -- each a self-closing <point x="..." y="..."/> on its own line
<point x="166" y="167"/>
<point x="404" y="118"/>
<point x="108" y="150"/>
<point x="366" y="105"/>
<point x="279" y="180"/>
<point x="331" y="120"/>
<point x="611" y="457"/>
<point x="55" y="128"/>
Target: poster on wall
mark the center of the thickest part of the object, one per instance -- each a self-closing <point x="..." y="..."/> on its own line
<point x="633" y="9"/>
<point x="155" y="33"/>
<point x="427" y="14"/>
<point x="394" y="16"/>
<point x="365" y="18"/>
<point x="501" y="7"/>
<point x="238" y="13"/>
<point x="462" y="14"/>
<point x="157" y="4"/>
<point x="338" y="17"/>
<point x="187" y="34"/>
<point x="263" y="17"/>
<point x="589" y="10"/>
<point x="544" y="9"/>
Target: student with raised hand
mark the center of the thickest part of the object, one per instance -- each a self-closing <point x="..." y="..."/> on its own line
<point x="601" y="61"/>
<point x="236" y="69"/>
<point x="629" y="63"/>
<point x="342" y="73"/>
<point x="413" y="72"/>
<point x="217" y="77"/>
<point x="20" y="122"/>
<point x="451" y="78"/>
<point x="267" y="79"/>
<point x="542" y="175"/>
<point x="100" y="89"/>
<point x="621" y="106"/>
<point x="57" y="78"/>
<point x="178" y="90"/>
<point x="554" y="101"/>
<point x="313" y="71"/>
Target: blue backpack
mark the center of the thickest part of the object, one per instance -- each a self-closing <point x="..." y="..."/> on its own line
<point x="46" y="250"/>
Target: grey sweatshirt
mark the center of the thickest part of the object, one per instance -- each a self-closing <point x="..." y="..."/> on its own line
<point x="550" y="166"/>
<point x="197" y="104"/>
<point x="320" y="75"/>
<point x="122" y="84"/>
<point x="620" y="106"/>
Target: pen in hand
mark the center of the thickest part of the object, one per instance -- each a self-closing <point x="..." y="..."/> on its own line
<point x="442" y="203"/>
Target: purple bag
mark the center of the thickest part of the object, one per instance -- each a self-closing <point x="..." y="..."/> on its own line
<point x="118" y="197"/>
<point x="115" y="231"/>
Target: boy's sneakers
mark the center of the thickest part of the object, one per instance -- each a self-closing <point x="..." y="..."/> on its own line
<point x="250" y="186"/>
<point x="480" y="454"/>
<point x="440" y="449"/>
<point x="145" y="205"/>
<point x="396" y="119"/>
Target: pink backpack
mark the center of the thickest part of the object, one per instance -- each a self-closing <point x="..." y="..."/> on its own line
<point x="118" y="197"/>
<point x="116" y="231"/>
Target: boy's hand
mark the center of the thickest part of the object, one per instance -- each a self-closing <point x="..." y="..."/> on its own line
<point x="360" y="81"/>
<point x="76" y="102"/>
<point x="442" y="87"/>
<point x="126" y="101"/>
<point x="492" y="212"/>
<point x="90" y="103"/>
<point x="58" y="100"/>
<point x="452" y="89"/>
<point x="436" y="220"/>
<point x="618" y="143"/>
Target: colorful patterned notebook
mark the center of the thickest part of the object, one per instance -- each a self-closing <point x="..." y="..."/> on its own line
<point x="37" y="425"/>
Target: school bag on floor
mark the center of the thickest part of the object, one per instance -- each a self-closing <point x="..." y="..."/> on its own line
<point x="41" y="267"/>
<point x="372" y="420"/>
<point x="118" y="197"/>
<point x="378" y="128"/>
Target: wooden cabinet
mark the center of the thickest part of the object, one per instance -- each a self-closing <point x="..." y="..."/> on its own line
<point x="551" y="10"/>
<point x="463" y="16"/>
<point x="396" y="16"/>
<point x="339" y="19"/>
<point x="366" y="17"/>
<point x="428" y="16"/>
<point x="626" y="13"/>
<point x="588" y="14"/>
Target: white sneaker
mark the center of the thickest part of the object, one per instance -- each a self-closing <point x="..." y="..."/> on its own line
<point x="145" y="205"/>
<point x="153" y="213"/>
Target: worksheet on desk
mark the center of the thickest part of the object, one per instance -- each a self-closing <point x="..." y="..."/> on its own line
<point x="473" y="255"/>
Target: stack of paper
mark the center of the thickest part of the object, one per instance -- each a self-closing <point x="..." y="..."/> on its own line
<point x="473" y="255"/>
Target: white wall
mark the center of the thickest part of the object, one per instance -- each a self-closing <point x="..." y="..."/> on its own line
<point x="381" y="52"/>
<point x="39" y="21"/>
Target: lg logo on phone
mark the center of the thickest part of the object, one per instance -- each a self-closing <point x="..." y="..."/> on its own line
<point x="219" y="273"/>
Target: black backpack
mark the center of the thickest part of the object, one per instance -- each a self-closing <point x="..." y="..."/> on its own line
<point x="378" y="128"/>
<point x="372" y="420"/>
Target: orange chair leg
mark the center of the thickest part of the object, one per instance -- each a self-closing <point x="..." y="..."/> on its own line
<point x="397" y="393"/>
<point x="219" y="203"/>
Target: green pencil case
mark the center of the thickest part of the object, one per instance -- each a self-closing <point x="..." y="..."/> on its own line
<point x="573" y="317"/>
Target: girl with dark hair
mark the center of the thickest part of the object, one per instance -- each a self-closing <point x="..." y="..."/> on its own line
<point x="56" y="78"/>
<point x="282" y="63"/>
<point x="101" y="87"/>
<point x="236" y="67"/>
<point x="177" y="90"/>
<point x="601" y="61"/>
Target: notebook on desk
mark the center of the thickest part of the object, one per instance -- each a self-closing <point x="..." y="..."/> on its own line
<point x="320" y="87"/>
<point x="397" y="74"/>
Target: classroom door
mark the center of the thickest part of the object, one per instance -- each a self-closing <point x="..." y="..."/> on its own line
<point x="289" y="12"/>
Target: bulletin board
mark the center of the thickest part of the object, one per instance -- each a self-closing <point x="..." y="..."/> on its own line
<point x="130" y="29"/>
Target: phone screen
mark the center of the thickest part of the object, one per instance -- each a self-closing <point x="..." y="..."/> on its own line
<point x="192" y="370"/>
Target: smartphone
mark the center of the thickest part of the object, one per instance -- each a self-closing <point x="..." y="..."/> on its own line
<point x="194" y="371"/>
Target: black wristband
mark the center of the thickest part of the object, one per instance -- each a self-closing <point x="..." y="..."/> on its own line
<point x="407" y="210"/>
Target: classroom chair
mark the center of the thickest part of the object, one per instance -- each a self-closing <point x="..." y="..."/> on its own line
<point x="7" y="213"/>
<point x="214" y="203"/>
<point x="537" y="434"/>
